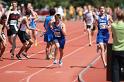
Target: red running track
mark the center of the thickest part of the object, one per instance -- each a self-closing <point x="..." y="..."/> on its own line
<point x="77" y="55"/>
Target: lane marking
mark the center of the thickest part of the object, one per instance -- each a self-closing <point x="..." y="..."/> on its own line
<point x="18" y="72"/>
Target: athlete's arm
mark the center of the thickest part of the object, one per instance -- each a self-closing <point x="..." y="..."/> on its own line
<point x="110" y="21"/>
<point x="27" y="23"/>
<point x="1" y="26"/>
<point x="64" y="29"/>
<point x="34" y="14"/>
<point x="8" y="13"/>
<point x="84" y="22"/>
<point x="0" y="30"/>
<point x="51" y="24"/>
<point x="96" y="21"/>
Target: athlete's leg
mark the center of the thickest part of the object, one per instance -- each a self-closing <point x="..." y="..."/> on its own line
<point x="34" y="37"/>
<point x="48" y="50"/>
<point x="61" y="53"/>
<point x="10" y="40"/>
<point x="89" y="37"/>
<point x="103" y="55"/>
<point x="0" y="52"/>
<point x="21" y="50"/>
<point x="57" y="45"/>
<point x="13" y="37"/>
<point x="2" y="49"/>
<point x="28" y="45"/>
<point x="52" y="50"/>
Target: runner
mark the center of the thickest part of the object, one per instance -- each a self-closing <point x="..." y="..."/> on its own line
<point x="24" y="38"/>
<point x="13" y="17"/>
<point x="88" y="18"/>
<point x="59" y="30"/>
<point x="103" y="32"/>
<point x="2" y="35"/>
<point x="32" y="22"/>
<point x="48" y="37"/>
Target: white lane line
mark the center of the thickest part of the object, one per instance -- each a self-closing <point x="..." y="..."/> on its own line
<point x="37" y="53"/>
<point x="33" y="74"/>
<point x="15" y="71"/>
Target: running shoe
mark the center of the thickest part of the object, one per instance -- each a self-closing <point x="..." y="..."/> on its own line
<point x="55" y="62"/>
<point x="10" y="50"/>
<point x="47" y="57"/>
<point x="90" y="44"/>
<point x="12" y="56"/>
<point x="60" y="62"/>
<point x="18" y="57"/>
<point x="25" y="55"/>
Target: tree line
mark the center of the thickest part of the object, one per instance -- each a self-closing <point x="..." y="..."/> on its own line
<point x="66" y="3"/>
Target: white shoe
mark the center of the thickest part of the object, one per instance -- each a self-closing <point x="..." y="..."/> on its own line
<point x="60" y="62"/>
<point x="55" y="62"/>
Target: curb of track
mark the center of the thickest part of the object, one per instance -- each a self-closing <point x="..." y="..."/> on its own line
<point x="80" y="75"/>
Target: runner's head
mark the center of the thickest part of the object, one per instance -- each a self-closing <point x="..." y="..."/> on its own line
<point x="24" y="18"/>
<point x="52" y="11"/>
<point x="102" y="10"/>
<point x="89" y="7"/>
<point x="29" y="6"/>
<point x="14" y="5"/>
<point x="57" y="17"/>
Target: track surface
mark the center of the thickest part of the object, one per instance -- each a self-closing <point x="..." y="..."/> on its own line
<point x="77" y="55"/>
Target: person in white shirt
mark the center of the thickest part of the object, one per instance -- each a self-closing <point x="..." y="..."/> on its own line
<point x="89" y="20"/>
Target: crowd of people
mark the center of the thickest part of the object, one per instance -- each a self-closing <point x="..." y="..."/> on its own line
<point x="22" y="23"/>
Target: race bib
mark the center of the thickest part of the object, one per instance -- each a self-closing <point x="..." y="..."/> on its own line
<point x="103" y="26"/>
<point x="13" y="22"/>
<point x="57" y="34"/>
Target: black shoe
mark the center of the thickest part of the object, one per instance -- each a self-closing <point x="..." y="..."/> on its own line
<point x="12" y="56"/>
<point x="25" y="55"/>
<point x="90" y="44"/>
<point x="47" y="58"/>
<point x="18" y="57"/>
<point x="11" y="51"/>
<point x="105" y="66"/>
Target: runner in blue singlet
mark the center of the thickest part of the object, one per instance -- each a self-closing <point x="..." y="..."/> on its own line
<point x="59" y="30"/>
<point x="48" y="36"/>
<point x="103" y="32"/>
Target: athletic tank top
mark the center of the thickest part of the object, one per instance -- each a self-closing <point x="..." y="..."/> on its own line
<point x="1" y="27"/>
<point x="102" y="24"/>
<point x="13" y="18"/>
<point x="46" y="24"/>
<point x="89" y="18"/>
<point x="58" y="30"/>
<point x="32" y="23"/>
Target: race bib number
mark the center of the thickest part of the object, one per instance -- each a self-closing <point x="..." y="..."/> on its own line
<point x="103" y="26"/>
<point x="13" y="22"/>
<point x="57" y="34"/>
